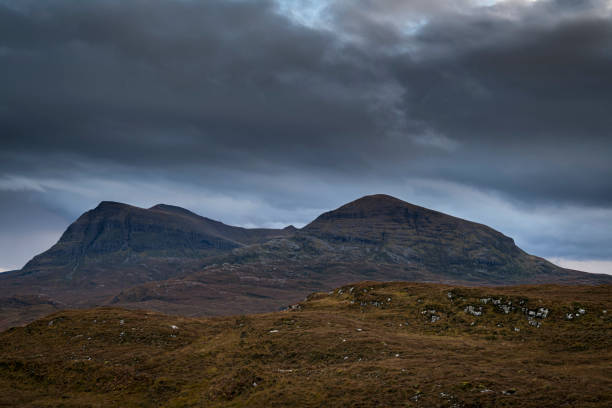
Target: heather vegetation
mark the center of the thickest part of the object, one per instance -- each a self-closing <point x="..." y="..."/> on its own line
<point x="367" y="344"/>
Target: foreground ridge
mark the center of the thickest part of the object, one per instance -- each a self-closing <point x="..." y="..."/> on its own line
<point x="364" y="344"/>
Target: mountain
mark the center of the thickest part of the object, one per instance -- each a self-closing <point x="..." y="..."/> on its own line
<point x="113" y="247"/>
<point x="117" y="245"/>
<point x="405" y="233"/>
<point x="362" y="345"/>
<point x="169" y="259"/>
<point x="120" y="233"/>
<point x="389" y="230"/>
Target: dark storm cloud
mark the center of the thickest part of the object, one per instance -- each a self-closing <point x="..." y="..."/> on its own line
<point x="168" y="81"/>
<point x="245" y="99"/>
<point x="525" y="91"/>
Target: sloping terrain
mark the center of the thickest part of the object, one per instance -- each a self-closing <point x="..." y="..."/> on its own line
<point x="120" y="233"/>
<point x="171" y="260"/>
<point x="392" y="231"/>
<point x="113" y="247"/>
<point x="375" y="238"/>
<point x="362" y="345"/>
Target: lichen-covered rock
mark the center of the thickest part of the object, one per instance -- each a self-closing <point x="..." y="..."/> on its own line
<point x="533" y="322"/>
<point x="505" y="308"/>
<point x="473" y="310"/>
<point x="575" y="314"/>
<point x="432" y="314"/>
<point x="542" y="312"/>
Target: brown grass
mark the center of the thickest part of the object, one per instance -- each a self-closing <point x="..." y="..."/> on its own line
<point x="353" y="349"/>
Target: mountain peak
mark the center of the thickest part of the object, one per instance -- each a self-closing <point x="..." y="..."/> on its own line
<point x="116" y="233"/>
<point x="379" y="201"/>
<point x="377" y="208"/>
<point x="378" y="197"/>
<point x="172" y="209"/>
<point x="407" y="232"/>
<point x="110" y="205"/>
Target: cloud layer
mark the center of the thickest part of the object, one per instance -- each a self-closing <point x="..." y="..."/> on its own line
<point x="265" y="113"/>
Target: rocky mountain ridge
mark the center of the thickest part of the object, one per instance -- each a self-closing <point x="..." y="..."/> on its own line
<point x="172" y="260"/>
<point x="114" y="232"/>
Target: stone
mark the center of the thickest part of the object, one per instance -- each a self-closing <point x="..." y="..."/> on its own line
<point x="473" y="310"/>
<point x="533" y="322"/>
<point x="505" y="308"/>
<point x="542" y="312"/>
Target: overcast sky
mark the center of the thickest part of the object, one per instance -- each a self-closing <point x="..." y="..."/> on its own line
<point x="266" y="113"/>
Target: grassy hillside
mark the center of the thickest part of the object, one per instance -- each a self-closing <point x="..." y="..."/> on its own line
<point x="363" y="345"/>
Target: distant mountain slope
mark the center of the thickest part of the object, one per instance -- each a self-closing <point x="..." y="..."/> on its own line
<point x="116" y="246"/>
<point x="120" y="233"/>
<point x="387" y="229"/>
<point x="169" y="259"/>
